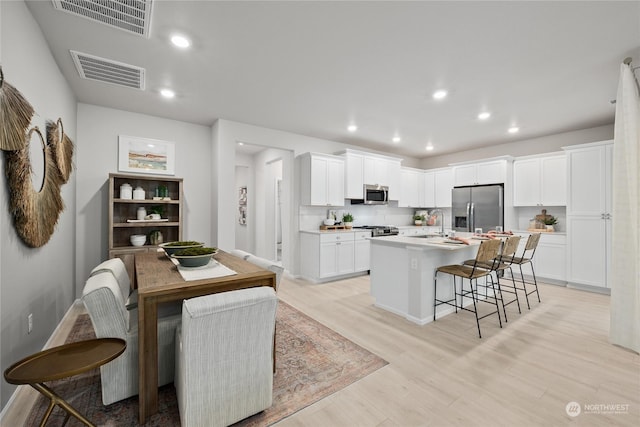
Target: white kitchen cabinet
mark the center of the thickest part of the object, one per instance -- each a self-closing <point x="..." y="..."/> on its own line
<point x="589" y="213"/>
<point x="354" y="175"/>
<point x="332" y="255"/>
<point x="412" y="188"/>
<point x="368" y="168"/>
<point x="393" y="179"/>
<point x="376" y="171"/>
<point x="540" y="181"/>
<point x="362" y="251"/>
<point x="549" y="260"/>
<point x="490" y="172"/>
<point x="322" y="180"/>
<point x="428" y="192"/>
<point x="443" y="183"/>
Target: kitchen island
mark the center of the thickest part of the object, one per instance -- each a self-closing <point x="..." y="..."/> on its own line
<point x="402" y="270"/>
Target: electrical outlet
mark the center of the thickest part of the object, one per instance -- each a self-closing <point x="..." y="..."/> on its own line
<point x="30" y="321"/>
<point x="414" y="263"/>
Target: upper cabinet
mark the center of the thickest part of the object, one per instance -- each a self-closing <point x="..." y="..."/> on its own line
<point x="412" y="193"/>
<point x="443" y="183"/>
<point x="322" y="180"/>
<point x="540" y="181"/>
<point x="426" y="188"/>
<point x="354" y="175"/>
<point x="490" y="172"/>
<point x="368" y="168"/>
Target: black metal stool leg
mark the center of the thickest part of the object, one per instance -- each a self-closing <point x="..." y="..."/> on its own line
<point x="535" y="281"/>
<point x="475" y="308"/>
<point x="524" y="287"/>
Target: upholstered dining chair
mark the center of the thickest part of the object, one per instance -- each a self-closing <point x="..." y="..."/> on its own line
<point x="105" y="304"/>
<point x="240" y="253"/>
<point x="116" y="267"/>
<point x="487" y="253"/>
<point x="224" y="356"/>
<point x="267" y="265"/>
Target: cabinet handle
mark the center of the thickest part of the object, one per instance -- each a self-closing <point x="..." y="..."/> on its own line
<point x="338" y="243"/>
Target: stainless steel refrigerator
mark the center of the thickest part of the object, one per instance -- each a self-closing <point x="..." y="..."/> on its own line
<point x="478" y="206"/>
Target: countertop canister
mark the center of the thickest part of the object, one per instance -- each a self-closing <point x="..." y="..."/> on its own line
<point x="126" y="191"/>
<point x="141" y="213"/>
<point x="138" y="193"/>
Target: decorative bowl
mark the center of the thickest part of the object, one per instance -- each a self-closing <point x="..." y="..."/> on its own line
<point x="138" y="239"/>
<point x="329" y="222"/>
<point x="172" y="247"/>
<point x="195" y="257"/>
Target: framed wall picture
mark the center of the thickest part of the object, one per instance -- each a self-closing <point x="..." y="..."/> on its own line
<point x="242" y="206"/>
<point x="144" y="155"/>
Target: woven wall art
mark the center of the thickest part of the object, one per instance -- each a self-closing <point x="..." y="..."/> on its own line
<point x="35" y="213"/>
<point x="15" y="116"/>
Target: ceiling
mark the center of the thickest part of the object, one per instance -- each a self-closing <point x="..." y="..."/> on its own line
<point x="313" y="68"/>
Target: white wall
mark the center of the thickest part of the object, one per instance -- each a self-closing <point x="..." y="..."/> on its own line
<point x="546" y="144"/>
<point x="98" y="130"/>
<point x="39" y="281"/>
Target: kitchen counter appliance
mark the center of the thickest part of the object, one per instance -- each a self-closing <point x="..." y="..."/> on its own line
<point x="478" y="206"/>
<point x="381" y="230"/>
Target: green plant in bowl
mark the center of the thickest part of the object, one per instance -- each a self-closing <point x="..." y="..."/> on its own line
<point x="194" y="257"/>
<point x="172" y="247"/>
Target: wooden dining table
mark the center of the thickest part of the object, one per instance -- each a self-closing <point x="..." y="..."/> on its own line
<point x="159" y="281"/>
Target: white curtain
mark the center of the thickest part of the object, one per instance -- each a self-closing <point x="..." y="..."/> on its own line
<point x="625" y="262"/>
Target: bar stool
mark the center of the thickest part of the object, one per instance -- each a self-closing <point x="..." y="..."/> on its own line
<point x="527" y="258"/>
<point x="498" y="266"/>
<point x="487" y="253"/>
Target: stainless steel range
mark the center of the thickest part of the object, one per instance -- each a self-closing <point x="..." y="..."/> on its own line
<point x="381" y="230"/>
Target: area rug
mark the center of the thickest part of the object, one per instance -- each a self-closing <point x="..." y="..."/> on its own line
<point x="312" y="362"/>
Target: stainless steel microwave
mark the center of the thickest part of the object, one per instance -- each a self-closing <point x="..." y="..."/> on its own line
<point x="375" y="195"/>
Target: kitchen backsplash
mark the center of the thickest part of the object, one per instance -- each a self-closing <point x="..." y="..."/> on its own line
<point x="311" y="217"/>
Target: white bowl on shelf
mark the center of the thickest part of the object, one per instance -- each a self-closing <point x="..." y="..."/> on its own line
<point x="329" y="222"/>
<point x="138" y="239"/>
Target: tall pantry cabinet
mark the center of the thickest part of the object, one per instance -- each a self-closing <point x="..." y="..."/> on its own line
<point x="589" y="169"/>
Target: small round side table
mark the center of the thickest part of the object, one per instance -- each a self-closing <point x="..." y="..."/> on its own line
<point x="61" y="362"/>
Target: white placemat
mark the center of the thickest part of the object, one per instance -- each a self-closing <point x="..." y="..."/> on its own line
<point x="209" y="271"/>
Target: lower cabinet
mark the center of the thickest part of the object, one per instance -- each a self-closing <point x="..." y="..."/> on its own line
<point x="334" y="254"/>
<point x="549" y="260"/>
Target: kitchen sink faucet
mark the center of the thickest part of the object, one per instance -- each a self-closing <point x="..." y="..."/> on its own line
<point x="440" y="213"/>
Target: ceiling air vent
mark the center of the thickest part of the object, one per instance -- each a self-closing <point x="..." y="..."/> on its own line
<point x="133" y="16"/>
<point x="108" y="71"/>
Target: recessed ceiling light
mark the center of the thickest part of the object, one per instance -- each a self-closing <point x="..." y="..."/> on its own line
<point x="484" y="115"/>
<point x="167" y="93"/>
<point x="240" y="143"/>
<point x="514" y="129"/>
<point x="352" y="128"/>
<point x="429" y="147"/>
<point x="439" y="94"/>
<point x="396" y="139"/>
<point x="180" y="41"/>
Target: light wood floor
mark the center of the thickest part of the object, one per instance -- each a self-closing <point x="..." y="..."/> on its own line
<point x="442" y="374"/>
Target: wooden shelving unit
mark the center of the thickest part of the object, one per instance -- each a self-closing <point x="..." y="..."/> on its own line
<point x="122" y="210"/>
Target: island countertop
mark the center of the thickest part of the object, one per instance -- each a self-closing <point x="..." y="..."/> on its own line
<point x="402" y="273"/>
<point x="426" y="241"/>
